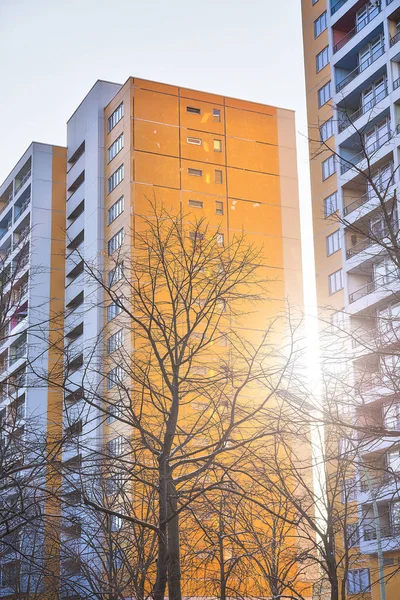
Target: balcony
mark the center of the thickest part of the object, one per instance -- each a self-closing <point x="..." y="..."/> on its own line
<point x="379" y="51"/>
<point x="350" y="119"/>
<point x="359" y="247"/>
<point x="368" y="151"/>
<point x="389" y="531"/>
<point x="350" y="34"/>
<point x="22" y="182"/>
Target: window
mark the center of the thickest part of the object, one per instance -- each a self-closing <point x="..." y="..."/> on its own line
<point x="196" y="236"/>
<point x="326" y="130"/>
<point x="219" y="207"/>
<point x="115" y="117"/>
<point x="114" y="377"/>
<point x="348" y="492"/>
<point x="373" y="94"/>
<point x="115" y="210"/>
<point x="217" y="145"/>
<point x="377" y="136"/>
<point x="115" y="341"/>
<point x="324" y="94"/>
<point x="393" y="461"/>
<point x="193" y="110"/>
<point x="116" y="522"/>
<point x="358" y="581"/>
<point x="220" y="239"/>
<point x="116" y="147"/>
<point x="391" y="415"/>
<point x="115" y="274"/>
<point x="115" y="178"/>
<point x="395" y="515"/>
<point x="216" y="115"/>
<point x="115" y="446"/>
<point x="218" y="176"/>
<point x="196" y="203"/>
<point x="115" y="242"/>
<point x="193" y="140"/>
<point x="370" y="53"/>
<point x="195" y="172"/>
<point x="112" y="311"/>
<point x="328" y="167"/>
<point x="114" y="411"/>
<point x="314" y="2"/>
<point x="320" y="24"/>
<point x="331" y="204"/>
<point x="335" y="281"/>
<point x="322" y="58"/>
<point x="333" y="242"/>
<point x="352" y="535"/>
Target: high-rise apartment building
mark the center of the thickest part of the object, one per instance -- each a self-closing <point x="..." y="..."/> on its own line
<point x="32" y="240"/>
<point x="230" y="161"/>
<point x="352" y="83"/>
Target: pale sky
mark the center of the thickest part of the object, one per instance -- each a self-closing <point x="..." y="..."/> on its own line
<point x="53" y="51"/>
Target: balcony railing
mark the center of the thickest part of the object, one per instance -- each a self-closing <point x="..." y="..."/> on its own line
<point x="368" y="151"/>
<point x="394" y="39"/>
<point x="386" y="532"/>
<point x="20" y="352"/>
<point x="377" y="481"/>
<point x="349" y="119"/>
<point x="23" y="207"/>
<point x="361" y="67"/>
<point x="22" y="182"/>
<point x="371" y="15"/>
<point x="371" y="286"/>
<point x="357" y="248"/>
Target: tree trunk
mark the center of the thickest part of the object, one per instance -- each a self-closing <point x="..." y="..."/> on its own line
<point x="174" y="563"/>
<point x="162" y="556"/>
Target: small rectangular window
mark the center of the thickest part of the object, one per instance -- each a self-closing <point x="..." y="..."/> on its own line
<point x="115" y="117"/>
<point x="326" y="130"/>
<point x="219" y="207"/>
<point x="114" y="377"/>
<point x="217" y="145"/>
<point x="320" y="24"/>
<point x="196" y="203"/>
<point x="115" y="242"/>
<point x="114" y="412"/>
<point x="115" y="341"/>
<point x="331" y="204"/>
<point x="322" y="59"/>
<point x="358" y="581"/>
<point x="115" y="178"/>
<point x="194" y="141"/>
<point x="115" y="147"/>
<point x="216" y="115"/>
<point x="218" y="176"/>
<point x="115" y="210"/>
<point x="196" y="236"/>
<point x="220" y="239"/>
<point x="335" y="281"/>
<point x="115" y="274"/>
<point x="115" y="446"/>
<point x="194" y="110"/>
<point x="333" y="242"/>
<point x="112" y="311"/>
<point x="195" y="172"/>
<point x="324" y="94"/>
<point x="328" y="167"/>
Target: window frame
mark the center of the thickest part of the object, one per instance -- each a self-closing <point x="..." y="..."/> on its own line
<point x="333" y="242"/>
<point x="333" y="277"/>
<point x="326" y="214"/>
<point x="328" y="167"/>
<point x="321" y="21"/>
<point x="321" y="93"/>
<point x="115" y="117"/>
<point x="114" y="208"/>
<point x="320" y="57"/>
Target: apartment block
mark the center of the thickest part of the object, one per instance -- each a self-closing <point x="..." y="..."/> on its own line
<point x="32" y="238"/>
<point x="352" y="66"/>
<point x="230" y="161"/>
